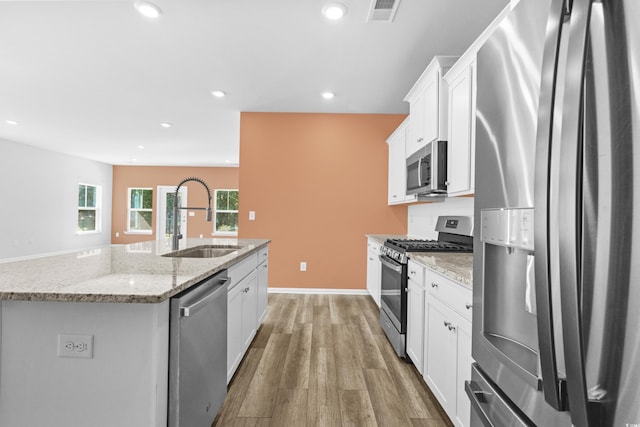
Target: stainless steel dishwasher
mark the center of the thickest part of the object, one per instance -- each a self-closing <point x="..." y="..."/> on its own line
<point x="198" y="353"/>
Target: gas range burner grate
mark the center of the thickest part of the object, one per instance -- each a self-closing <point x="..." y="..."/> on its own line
<point x="416" y="245"/>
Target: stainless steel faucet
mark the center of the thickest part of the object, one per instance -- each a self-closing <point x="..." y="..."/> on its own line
<point x="175" y="239"/>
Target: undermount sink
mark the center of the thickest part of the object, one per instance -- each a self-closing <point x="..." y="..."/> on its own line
<point x="204" y="251"/>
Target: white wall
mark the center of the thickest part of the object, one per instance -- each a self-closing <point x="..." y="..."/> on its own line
<point x="422" y="217"/>
<point x="39" y="193"/>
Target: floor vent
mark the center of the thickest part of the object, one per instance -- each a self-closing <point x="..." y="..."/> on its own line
<point x="383" y="10"/>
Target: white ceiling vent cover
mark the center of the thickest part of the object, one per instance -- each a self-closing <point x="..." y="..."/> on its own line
<point x="383" y="10"/>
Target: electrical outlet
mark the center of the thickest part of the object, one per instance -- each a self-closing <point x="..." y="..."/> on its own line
<point x="303" y="266"/>
<point x="75" y="346"/>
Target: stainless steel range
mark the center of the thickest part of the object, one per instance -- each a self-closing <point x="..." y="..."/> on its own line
<point x="455" y="234"/>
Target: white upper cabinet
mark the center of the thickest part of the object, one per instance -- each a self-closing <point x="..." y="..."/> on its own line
<point x="461" y="144"/>
<point x="428" y="105"/>
<point x="397" y="173"/>
<point x="460" y="81"/>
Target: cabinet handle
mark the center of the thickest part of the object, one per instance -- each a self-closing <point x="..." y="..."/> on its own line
<point x="468" y="306"/>
<point x="395" y="196"/>
<point x="420" y="139"/>
<point x="434" y="285"/>
<point x="451" y="327"/>
<point x="412" y="272"/>
<point x="447" y="324"/>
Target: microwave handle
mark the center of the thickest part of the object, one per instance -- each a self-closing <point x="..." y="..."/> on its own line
<point x="420" y="173"/>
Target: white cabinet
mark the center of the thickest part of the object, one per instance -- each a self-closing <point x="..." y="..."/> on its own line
<point x="462" y="117"/>
<point x="441" y="349"/>
<point x="427" y="105"/>
<point x="263" y="283"/>
<point x="447" y="344"/>
<point x="242" y="320"/>
<point x="246" y="305"/>
<point x="460" y="81"/>
<point x="415" y="314"/>
<point x="234" y="330"/>
<point x="374" y="270"/>
<point x="397" y="173"/>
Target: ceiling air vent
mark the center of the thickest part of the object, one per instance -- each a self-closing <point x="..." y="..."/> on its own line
<point x="383" y="10"/>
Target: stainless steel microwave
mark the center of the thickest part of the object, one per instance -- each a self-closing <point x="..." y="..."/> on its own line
<point x="427" y="170"/>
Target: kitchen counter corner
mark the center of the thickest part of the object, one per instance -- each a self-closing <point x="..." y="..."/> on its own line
<point x="456" y="266"/>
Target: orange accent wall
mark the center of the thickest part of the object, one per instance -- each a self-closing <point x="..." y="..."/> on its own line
<point x="125" y="177"/>
<point x="318" y="184"/>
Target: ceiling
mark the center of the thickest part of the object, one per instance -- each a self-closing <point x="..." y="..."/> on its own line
<point x="95" y="79"/>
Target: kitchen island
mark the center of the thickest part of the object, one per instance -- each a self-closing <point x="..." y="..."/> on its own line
<point x="119" y="296"/>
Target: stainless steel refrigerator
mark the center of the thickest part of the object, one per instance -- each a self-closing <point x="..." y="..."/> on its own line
<point x="556" y="323"/>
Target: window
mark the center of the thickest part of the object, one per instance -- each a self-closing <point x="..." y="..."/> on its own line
<point x="140" y="211"/>
<point x="89" y="203"/>
<point x="226" y="214"/>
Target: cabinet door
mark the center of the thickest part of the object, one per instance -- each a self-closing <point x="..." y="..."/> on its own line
<point x="415" y="324"/>
<point x="463" y="406"/>
<point x="397" y="168"/>
<point x="263" y="286"/>
<point x="460" y="145"/>
<point x="431" y="109"/>
<point x="441" y="354"/>
<point x="374" y="267"/>
<point x="234" y="330"/>
<point x="415" y="135"/>
<point x="249" y="308"/>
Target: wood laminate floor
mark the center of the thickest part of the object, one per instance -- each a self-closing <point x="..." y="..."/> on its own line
<point x="323" y="360"/>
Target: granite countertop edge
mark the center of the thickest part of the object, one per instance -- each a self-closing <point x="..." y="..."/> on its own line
<point x="455" y="266"/>
<point x="172" y="284"/>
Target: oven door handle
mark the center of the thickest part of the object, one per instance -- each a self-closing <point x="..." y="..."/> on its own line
<point x="394" y="267"/>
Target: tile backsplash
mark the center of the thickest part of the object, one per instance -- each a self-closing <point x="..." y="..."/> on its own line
<point x="422" y="217"/>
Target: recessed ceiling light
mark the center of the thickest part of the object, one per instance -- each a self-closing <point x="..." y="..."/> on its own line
<point x="11" y="122"/>
<point x="218" y="93"/>
<point x="147" y="9"/>
<point x="134" y="160"/>
<point x="334" y="11"/>
<point x="165" y="125"/>
<point x="141" y="147"/>
<point x="328" y="95"/>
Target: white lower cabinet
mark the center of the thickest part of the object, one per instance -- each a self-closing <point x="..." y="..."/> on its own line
<point x="374" y="270"/>
<point x="263" y="283"/>
<point x="246" y="306"/>
<point x="439" y="337"/>
<point x="415" y="314"/>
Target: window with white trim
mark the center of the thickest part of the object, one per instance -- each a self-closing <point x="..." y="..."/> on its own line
<point x="89" y="206"/>
<point x="226" y="212"/>
<point x="140" y="210"/>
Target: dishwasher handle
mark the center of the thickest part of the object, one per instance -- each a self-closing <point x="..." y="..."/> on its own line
<point x="191" y="309"/>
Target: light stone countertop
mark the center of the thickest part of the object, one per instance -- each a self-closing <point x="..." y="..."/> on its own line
<point x="456" y="266"/>
<point x="134" y="273"/>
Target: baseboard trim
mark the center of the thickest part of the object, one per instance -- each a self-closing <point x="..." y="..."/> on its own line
<point x="318" y="291"/>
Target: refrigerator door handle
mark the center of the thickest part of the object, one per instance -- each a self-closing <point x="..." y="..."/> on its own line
<point x="584" y="413"/>
<point x="552" y="386"/>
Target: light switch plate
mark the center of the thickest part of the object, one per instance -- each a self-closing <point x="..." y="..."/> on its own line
<point x="252" y="215"/>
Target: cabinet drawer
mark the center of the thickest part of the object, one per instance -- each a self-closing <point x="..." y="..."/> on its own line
<point x="263" y="254"/>
<point x="454" y="295"/>
<point x="373" y="246"/>
<point x="240" y="270"/>
<point x="415" y="272"/>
